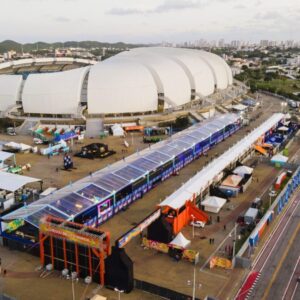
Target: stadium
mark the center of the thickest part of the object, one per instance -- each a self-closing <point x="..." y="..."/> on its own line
<point x="140" y="81"/>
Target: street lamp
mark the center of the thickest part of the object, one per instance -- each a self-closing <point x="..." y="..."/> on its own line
<point x="271" y="194"/>
<point x="283" y="105"/>
<point x="189" y="283"/>
<point x="193" y="217"/>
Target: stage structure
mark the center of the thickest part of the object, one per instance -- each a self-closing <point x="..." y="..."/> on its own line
<point x="72" y="246"/>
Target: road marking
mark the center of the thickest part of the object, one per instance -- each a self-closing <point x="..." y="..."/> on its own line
<point x="287" y="287"/>
<point x="294" y="292"/>
<point x="293" y="201"/>
<point x="278" y="238"/>
<point x="279" y="265"/>
<point x="266" y="243"/>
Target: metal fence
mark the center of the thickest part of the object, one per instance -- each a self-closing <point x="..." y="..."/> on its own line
<point x="161" y="291"/>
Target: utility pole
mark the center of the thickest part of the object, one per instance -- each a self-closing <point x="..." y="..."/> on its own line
<point x="194" y="283"/>
<point x="234" y="245"/>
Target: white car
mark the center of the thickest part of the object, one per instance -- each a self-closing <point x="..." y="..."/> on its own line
<point x="37" y="141"/>
<point x="198" y="224"/>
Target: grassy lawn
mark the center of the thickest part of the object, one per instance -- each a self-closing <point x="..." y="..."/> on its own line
<point x="284" y="86"/>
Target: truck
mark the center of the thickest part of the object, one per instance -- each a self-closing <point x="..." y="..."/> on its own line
<point x="250" y="215"/>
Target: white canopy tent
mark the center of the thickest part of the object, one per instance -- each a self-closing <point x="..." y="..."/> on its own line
<point x="279" y="158"/>
<point x="283" y="128"/>
<point x="117" y="130"/>
<point x="12" y="182"/>
<point x="18" y="146"/>
<point x="4" y="156"/>
<point x="213" y="204"/>
<point x="243" y="170"/>
<point x="180" y="241"/>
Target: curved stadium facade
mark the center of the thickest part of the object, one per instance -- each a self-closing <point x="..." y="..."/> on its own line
<point x="141" y="80"/>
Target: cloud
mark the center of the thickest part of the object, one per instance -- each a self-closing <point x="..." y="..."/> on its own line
<point x="124" y="11"/>
<point x="240" y="6"/>
<point x="171" y="5"/>
<point x="62" y="19"/>
<point x="165" y="7"/>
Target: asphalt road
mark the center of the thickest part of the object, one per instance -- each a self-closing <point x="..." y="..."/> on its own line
<point x="278" y="262"/>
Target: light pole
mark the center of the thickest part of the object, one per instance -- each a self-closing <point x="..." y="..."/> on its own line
<point x="194" y="282"/>
<point x="234" y="244"/>
<point x="189" y="283"/>
<point x="271" y="194"/>
<point x="119" y="292"/>
<point x="283" y="106"/>
<point x="193" y="217"/>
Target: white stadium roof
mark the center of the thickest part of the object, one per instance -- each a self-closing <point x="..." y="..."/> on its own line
<point x="10" y="86"/>
<point x="130" y="82"/>
<point x="54" y="93"/>
<point x="170" y="78"/>
<point x="121" y="86"/>
<point x="197" y="70"/>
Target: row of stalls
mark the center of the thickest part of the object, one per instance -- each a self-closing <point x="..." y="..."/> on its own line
<point x="99" y="196"/>
<point x="275" y="140"/>
<point x="55" y="133"/>
<point x="178" y="205"/>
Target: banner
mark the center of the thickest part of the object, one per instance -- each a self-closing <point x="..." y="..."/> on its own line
<point x="76" y="237"/>
<point x="126" y="238"/>
<point x="14" y="225"/>
<point x="155" y="245"/>
<point x="221" y="262"/>
<point x="190" y="255"/>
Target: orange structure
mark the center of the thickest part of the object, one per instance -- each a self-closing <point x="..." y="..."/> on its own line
<point x="134" y="128"/>
<point x="261" y="150"/>
<point x="182" y="216"/>
<point x="69" y="245"/>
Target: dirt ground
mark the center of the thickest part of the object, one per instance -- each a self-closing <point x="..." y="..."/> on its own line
<point x="148" y="265"/>
<point x="46" y="169"/>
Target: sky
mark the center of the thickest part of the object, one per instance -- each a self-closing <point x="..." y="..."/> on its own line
<point x="149" y="21"/>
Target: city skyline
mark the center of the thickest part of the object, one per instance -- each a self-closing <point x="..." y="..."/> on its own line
<point x="133" y="21"/>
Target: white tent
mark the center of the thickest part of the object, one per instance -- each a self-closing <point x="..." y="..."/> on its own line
<point x="243" y="170"/>
<point x="5" y="155"/>
<point x="232" y="180"/>
<point x="180" y="241"/>
<point x="213" y="204"/>
<point x="117" y="130"/>
<point x="279" y="158"/>
<point x="12" y="182"/>
<point x="283" y="128"/>
<point x="17" y="146"/>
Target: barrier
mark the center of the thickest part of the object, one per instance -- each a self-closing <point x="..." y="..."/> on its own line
<point x="274" y="210"/>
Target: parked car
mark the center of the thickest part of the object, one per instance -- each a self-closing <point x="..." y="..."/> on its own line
<point x="11" y="131"/>
<point x="257" y="203"/>
<point x="198" y="224"/>
<point x="37" y="141"/>
<point x="240" y="220"/>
